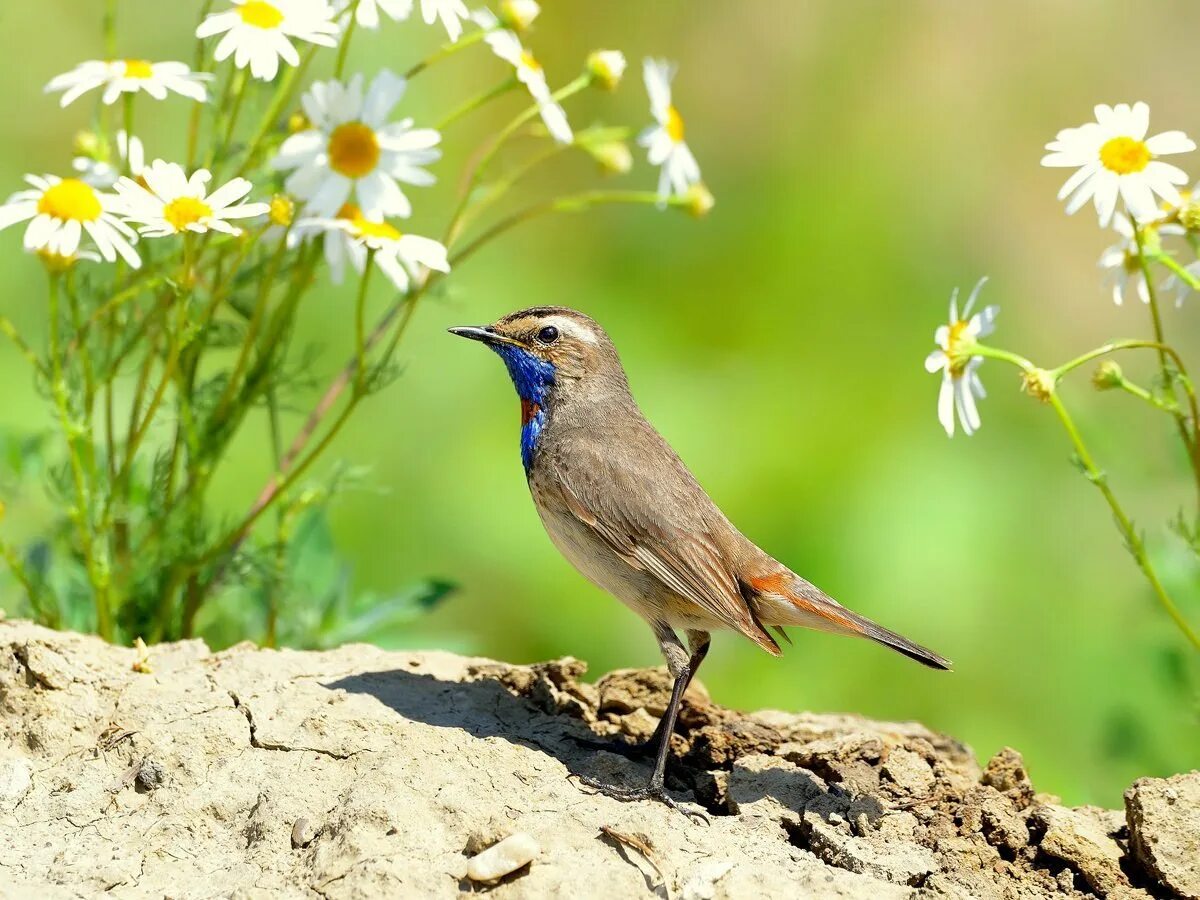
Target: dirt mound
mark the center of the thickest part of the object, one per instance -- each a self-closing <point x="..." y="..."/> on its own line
<point x="359" y="773"/>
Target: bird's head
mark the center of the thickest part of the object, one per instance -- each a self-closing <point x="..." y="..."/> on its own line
<point x="555" y="355"/>
<point x="550" y="351"/>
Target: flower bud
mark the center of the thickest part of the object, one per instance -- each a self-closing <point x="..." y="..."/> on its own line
<point x="518" y="14"/>
<point x="1189" y="216"/>
<point x="298" y="122"/>
<point x="700" y="200"/>
<point x="55" y="262"/>
<point x="282" y="210"/>
<point x="87" y="143"/>
<point x="613" y="157"/>
<point x="1107" y="376"/>
<point x="606" y="67"/>
<point x="1038" y="384"/>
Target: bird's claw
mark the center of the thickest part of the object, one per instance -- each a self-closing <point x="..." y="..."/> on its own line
<point x="650" y="792"/>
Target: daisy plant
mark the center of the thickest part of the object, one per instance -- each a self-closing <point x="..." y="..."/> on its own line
<point x="178" y="269"/>
<point x="1154" y="223"/>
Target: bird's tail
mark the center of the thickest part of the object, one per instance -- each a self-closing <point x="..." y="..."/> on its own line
<point x="784" y="598"/>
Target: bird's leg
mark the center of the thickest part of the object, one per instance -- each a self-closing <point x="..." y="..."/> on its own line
<point x="682" y="667"/>
<point x="698" y="643"/>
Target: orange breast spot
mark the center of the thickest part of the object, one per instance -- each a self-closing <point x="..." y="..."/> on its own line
<point x="529" y="409"/>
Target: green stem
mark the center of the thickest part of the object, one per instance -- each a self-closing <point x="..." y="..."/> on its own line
<point x="497" y="143"/>
<point x="197" y="108"/>
<point x="1124" y="524"/>
<point x="110" y="29"/>
<point x="360" y="306"/>
<point x="275" y="584"/>
<point x="43" y="615"/>
<point x="1191" y="441"/>
<point x="344" y="48"/>
<point x="252" y="329"/>
<point x="476" y="102"/>
<point x="127" y="101"/>
<point x="444" y="51"/>
<point x="580" y="203"/>
<point x="282" y="94"/>
<point x="1142" y="394"/>
<point x="1171" y="263"/>
<point x="238" y="90"/>
<point x="9" y="330"/>
<point x="81" y="515"/>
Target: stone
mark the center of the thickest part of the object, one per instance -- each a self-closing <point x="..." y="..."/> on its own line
<point x="1164" y="830"/>
<point x="503" y="858"/>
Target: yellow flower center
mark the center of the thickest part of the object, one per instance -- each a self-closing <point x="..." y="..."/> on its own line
<point x="364" y="226"/>
<point x="260" y="14"/>
<point x="184" y="211"/>
<point x="70" y="199"/>
<point x="138" y="68"/>
<point x="353" y="150"/>
<point x="674" y="125"/>
<point x="1124" y="155"/>
<point x="282" y="210"/>
<point x="957" y="343"/>
<point x="367" y="228"/>
<point x="530" y="62"/>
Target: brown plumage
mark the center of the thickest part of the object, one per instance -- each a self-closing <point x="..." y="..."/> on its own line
<point x="620" y="505"/>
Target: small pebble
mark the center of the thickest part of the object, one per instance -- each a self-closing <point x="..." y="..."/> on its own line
<point x="302" y="833"/>
<point x="503" y="858"/>
<point x="149" y="776"/>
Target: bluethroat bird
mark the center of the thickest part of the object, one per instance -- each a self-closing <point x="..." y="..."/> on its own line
<point x="625" y="511"/>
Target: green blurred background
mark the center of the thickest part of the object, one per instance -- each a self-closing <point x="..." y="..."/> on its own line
<point x="866" y="158"/>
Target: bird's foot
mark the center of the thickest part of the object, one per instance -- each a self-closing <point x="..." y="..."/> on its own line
<point x="619" y="746"/>
<point x="651" y="791"/>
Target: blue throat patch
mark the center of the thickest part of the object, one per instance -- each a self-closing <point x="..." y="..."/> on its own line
<point x="532" y="376"/>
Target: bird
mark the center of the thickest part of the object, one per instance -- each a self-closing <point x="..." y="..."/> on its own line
<point x="622" y="507"/>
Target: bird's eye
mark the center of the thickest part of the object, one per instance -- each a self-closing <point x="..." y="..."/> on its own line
<point x="548" y="335"/>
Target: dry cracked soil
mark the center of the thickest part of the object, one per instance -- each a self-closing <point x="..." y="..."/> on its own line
<point x="359" y="773"/>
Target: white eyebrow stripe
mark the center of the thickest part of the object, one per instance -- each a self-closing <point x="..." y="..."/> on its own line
<point x="572" y="327"/>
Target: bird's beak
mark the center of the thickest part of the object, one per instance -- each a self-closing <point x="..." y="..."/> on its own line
<point x="483" y="334"/>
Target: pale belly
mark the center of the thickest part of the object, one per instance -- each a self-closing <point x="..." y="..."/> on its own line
<point x="599" y="564"/>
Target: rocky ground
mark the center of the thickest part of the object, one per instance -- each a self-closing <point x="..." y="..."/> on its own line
<point x="359" y="773"/>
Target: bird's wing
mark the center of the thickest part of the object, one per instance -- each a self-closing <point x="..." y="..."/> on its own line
<point x="652" y="513"/>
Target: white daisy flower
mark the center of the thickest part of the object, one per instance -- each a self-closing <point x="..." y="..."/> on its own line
<point x="258" y="33"/>
<point x="1114" y="157"/>
<point x="403" y="258"/>
<point x="59" y="210"/>
<point x="506" y="45"/>
<point x="960" y="380"/>
<point x="367" y="12"/>
<point x="172" y="203"/>
<point x="1124" y="263"/>
<point x="104" y="174"/>
<point x="128" y="76"/>
<point x="1178" y="286"/>
<point x="351" y="149"/>
<point x="664" y="141"/>
<point x="451" y="12"/>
